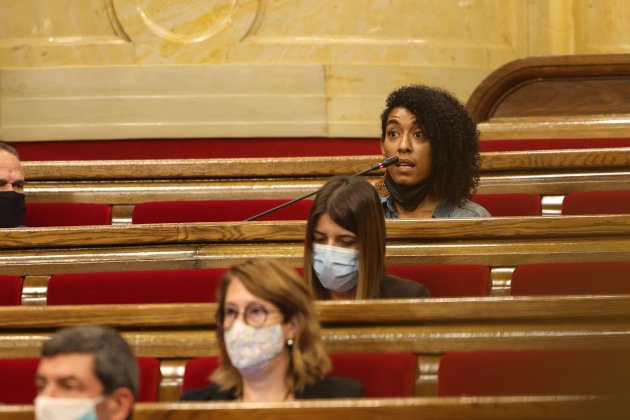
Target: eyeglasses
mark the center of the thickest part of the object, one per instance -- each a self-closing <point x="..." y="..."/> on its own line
<point x="255" y="315"/>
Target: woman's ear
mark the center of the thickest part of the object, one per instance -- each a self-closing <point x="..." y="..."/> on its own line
<point x="291" y="327"/>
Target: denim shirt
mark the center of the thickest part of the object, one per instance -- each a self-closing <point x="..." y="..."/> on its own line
<point x="442" y="209"/>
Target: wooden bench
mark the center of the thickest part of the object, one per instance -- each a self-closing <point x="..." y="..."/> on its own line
<point x="427" y="327"/>
<point x="531" y="407"/>
<point x="578" y="96"/>
<point x="501" y="243"/>
<point x="552" y="174"/>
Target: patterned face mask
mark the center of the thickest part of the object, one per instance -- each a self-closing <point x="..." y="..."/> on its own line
<point x="250" y="349"/>
<point x="336" y="268"/>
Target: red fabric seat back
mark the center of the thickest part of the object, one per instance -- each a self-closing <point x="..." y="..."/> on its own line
<point x="446" y="280"/>
<point x="11" y="290"/>
<point x="510" y="204"/>
<point x="155" y="286"/>
<point x="217" y="211"/>
<point x="596" y="202"/>
<point x="17" y="380"/>
<point x="17" y="384"/>
<point x="579" y="278"/>
<point x="534" y="372"/>
<point x="149" y="370"/>
<point x="197" y="372"/>
<point x="67" y="214"/>
<point x="382" y="374"/>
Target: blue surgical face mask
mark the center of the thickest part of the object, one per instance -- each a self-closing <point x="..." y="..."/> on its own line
<point x="337" y="268"/>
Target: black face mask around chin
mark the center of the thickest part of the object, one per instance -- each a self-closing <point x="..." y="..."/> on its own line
<point x="408" y="196"/>
<point x="12" y="209"/>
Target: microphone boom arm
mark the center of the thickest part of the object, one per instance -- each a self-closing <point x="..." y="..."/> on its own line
<point x="384" y="164"/>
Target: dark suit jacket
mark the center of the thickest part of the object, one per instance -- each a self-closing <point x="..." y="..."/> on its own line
<point x="393" y="287"/>
<point x="323" y="388"/>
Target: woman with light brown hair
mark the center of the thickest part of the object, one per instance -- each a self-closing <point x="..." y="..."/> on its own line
<point x="344" y="248"/>
<point x="269" y="340"/>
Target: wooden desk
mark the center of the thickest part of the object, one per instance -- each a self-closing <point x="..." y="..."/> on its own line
<point x="125" y="183"/>
<point x="501" y="243"/>
<point x="531" y="407"/>
<point x="427" y="327"/>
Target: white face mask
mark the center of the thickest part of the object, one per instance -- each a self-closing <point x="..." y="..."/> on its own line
<point x="250" y="349"/>
<point x="337" y="268"/>
<point x="49" y="408"/>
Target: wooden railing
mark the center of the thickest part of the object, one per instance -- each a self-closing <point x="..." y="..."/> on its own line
<point x="578" y="96"/>
<point x="427" y="327"/>
<point x="501" y="243"/>
<point x="124" y="183"/>
<point x="470" y="408"/>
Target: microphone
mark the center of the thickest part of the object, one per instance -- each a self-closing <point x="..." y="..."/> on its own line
<point x="383" y="164"/>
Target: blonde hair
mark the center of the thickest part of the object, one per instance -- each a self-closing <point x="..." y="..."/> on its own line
<point x="281" y="285"/>
<point x="353" y="204"/>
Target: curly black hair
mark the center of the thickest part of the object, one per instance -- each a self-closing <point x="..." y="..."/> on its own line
<point x="453" y="136"/>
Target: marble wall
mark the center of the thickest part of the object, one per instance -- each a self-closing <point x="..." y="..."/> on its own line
<point x="75" y="69"/>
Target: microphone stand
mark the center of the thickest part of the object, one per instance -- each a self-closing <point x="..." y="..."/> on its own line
<point x="385" y="163"/>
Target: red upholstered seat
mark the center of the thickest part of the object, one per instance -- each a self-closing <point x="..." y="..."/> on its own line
<point x="149" y="368"/>
<point x="17" y="380"/>
<point x="510" y="204"/>
<point x="67" y="214"/>
<point x="596" y="202"/>
<point x="578" y="278"/>
<point x="216" y="211"/>
<point x="156" y="286"/>
<point x="446" y="280"/>
<point x="17" y="384"/>
<point x="197" y="372"/>
<point x="11" y="290"/>
<point x="382" y="374"/>
<point x="534" y="372"/>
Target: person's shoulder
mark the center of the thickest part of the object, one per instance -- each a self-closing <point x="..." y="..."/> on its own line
<point x="332" y="387"/>
<point x="477" y="209"/>
<point x="466" y="209"/>
<point x="396" y="287"/>
<point x="211" y="392"/>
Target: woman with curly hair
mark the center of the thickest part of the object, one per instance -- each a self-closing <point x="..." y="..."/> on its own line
<point x="436" y="141"/>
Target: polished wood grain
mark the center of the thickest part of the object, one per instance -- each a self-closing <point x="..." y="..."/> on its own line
<point x="426" y="327"/>
<point x="303" y="166"/>
<point x="529" y="407"/>
<point x="124" y="183"/>
<point x="574" y="96"/>
<point x="420" y="230"/>
<point x="496" y="242"/>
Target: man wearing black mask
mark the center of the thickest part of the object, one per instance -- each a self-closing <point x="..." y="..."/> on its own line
<point x="12" y="204"/>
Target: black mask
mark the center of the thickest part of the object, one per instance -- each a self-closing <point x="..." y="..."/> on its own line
<point x="408" y="197"/>
<point x="12" y="209"/>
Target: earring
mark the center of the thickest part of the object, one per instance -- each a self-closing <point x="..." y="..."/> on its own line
<point x="290" y="342"/>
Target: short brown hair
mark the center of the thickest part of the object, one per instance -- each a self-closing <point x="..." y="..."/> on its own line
<point x="281" y="285"/>
<point x="9" y="149"/>
<point x="115" y="365"/>
<point x="353" y="204"/>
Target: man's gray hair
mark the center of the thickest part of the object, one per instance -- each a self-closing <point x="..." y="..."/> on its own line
<point x="114" y="362"/>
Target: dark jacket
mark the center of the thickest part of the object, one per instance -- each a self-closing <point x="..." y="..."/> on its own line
<point x="393" y="287"/>
<point x="323" y="388"/>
